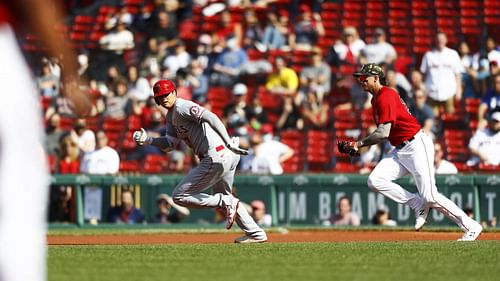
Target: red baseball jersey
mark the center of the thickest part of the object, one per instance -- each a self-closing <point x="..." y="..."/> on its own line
<point x="388" y="107"/>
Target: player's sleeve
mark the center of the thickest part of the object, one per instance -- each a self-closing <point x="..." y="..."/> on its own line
<point x="387" y="109"/>
<point x="191" y="111"/>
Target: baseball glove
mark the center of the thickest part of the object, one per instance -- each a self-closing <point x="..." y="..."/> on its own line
<point x="347" y="147"/>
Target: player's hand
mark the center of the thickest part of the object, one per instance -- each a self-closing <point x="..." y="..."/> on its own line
<point x="348" y="147"/>
<point x="141" y="137"/>
<point x="234" y="146"/>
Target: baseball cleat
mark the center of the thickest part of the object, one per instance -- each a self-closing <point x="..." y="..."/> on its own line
<point x="231" y="210"/>
<point x="249" y="240"/>
<point x="472" y="234"/>
<point x="421" y="217"/>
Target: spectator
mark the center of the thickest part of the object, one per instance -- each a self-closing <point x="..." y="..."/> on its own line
<point x="290" y="115"/>
<point x="236" y="113"/>
<point x="380" y="51"/>
<point x="423" y="112"/>
<point x="253" y="33"/>
<point x="314" y="111"/>
<point x="163" y="31"/>
<point x="470" y="65"/>
<point x="316" y="76"/>
<point x="485" y="143"/>
<point x="84" y="137"/>
<point x="152" y="58"/>
<point x="198" y="81"/>
<point x="306" y="31"/>
<point x="116" y="42"/>
<point x="349" y="47"/>
<point x="54" y="132"/>
<point x="47" y="82"/>
<point x="229" y="28"/>
<point x="228" y="64"/>
<point x="344" y="215"/>
<point x="283" y="80"/>
<point x="126" y="212"/>
<point x="138" y="86"/>
<point x="180" y="58"/>
<point x="490" y="103"/>
<point x="383" y="217"/>
<point x="69" y="160"/>
<point x="442" y="69"/>
<point x="270" y="155"/>
<point x="117" y="101"/>
<point x="104" y="160"/>
<point x="441" y="165"/>
<point x="492" y="50"/>
<point x="276" y="32"/>
<point x="60" y="208"/>
<point x="169" y="211"/>
<point x="259" y="214"/>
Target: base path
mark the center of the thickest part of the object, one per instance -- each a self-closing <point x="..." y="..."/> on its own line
<point x="292" y="236"/>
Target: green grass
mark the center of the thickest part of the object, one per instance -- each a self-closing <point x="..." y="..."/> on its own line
<point x="434" y="260"/>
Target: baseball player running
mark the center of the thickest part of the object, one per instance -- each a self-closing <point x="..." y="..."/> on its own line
<point x="24" y="176"/>
<point x="219" y="155"/>
<point x="414" y="154"/>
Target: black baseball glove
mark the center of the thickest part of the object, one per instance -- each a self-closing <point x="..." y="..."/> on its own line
<point x="347" y="147"/>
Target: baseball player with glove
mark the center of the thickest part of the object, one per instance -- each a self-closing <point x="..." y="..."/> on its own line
<point x="414" y="154"/>
<point x="219" y="155"/>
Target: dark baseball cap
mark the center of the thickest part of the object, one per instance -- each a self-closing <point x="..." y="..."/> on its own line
<point x="370" y="69"/>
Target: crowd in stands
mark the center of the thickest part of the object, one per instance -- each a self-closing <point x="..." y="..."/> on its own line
<point x="270" y="69"/>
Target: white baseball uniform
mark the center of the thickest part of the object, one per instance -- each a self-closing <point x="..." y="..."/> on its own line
<point x="24" y="177"/>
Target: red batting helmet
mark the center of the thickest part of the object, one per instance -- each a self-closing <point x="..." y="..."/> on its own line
<point x="162" y="88"/>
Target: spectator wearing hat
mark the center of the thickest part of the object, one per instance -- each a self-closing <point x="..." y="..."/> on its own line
<point x="485" y="143"/>
<point x="259" y="214"/>
<point x="379" y="50"/>
<point x="490" y="102"/>
<point x="236" y="113"/>
<point x="168" y="211"/>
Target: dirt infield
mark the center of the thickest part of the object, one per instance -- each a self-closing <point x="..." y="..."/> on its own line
<point x="292" y="236"/>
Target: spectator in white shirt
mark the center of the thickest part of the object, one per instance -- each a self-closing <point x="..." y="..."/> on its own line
<point x="442" y="68"/>
<point x="104" y="160"/>
<point x="485" y="143"/>
<point x="270" y="155"/>
<point x="441" y="165"/>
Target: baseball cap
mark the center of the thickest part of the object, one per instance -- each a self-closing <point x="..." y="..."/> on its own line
<point x="370" y="69"/>
<point x="257" y="204"/>
<point x="240" y="89"/>
<point x="495" y="116"/>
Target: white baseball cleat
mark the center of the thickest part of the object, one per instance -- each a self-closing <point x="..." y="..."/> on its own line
<point x="249" y="239"/>
<point x="472" y="234"/>
<point x="421" y="217"/>
<point x="231" y="210"/>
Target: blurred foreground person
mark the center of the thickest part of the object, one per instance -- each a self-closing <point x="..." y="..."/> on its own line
<point x="24" y="186"/>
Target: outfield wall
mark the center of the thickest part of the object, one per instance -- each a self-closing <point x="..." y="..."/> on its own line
<point x="303" y="199"/>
